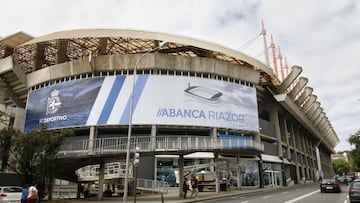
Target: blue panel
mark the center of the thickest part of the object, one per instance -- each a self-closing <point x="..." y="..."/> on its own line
<point x="109" y="104"/>
<point x="138" y="89"/>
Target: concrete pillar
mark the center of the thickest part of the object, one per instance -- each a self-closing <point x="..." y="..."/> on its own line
<point x="92" y="137"/>
<point x="181" y="174"/>
<point x="292" y="132"/>
<point x="257" y="138"/>
<point x="287" y="138"/>
<point x="274" y="118"/>
<point x="320" y="172"/>
<point x="39" y="55"/>
<point x="214" y="133"/>
<point x="153" y="137"/>
<point x="217" y="178"/>
<point x="101" y="181"/>
<point x="61" y="51"/>
<point x="303" y="172"/>
<point x="261" y="173"/>
<point x="214" y="136"/>
<point x="79" y="191"/>
<point x="238" y="178"/>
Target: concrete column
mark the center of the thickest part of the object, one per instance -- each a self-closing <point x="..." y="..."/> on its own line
<point x="153" y="137"/>
<point x="217" y="178"/>
<point x="302" y="140"/>
<point x="78" y="193"/>
<point x="61" y="51"/>
<point x="303" y="172"/>
<point x="101" y="181"/>
<point x="320" y="172"/>
<point x="214" y="133"/>
<point x="92" y="137"/>
<point x="238" y="179"/>
<point x="274" y="118"/>
<point x="287" y="137"/>
<point x="257" y="138"/>
<point x="181" y="174"/>
<point x="261" y="173"/>
<point x="292" y="132"/>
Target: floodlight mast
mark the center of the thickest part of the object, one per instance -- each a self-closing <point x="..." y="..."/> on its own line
<point x="126" y="182"/>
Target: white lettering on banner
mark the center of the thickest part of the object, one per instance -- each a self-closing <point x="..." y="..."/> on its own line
<point x="182" y="113"/>
<point x="52" y="119"/>
<point x="227" y="116"/>
<point x="200" y="114"/>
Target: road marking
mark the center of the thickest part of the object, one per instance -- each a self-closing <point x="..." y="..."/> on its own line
<point x="244" y="202"/>
<point x="301" y="197"/>
<point x="345" y="201"/>
<point x="265" y="197"/>
<point x="285" y="192"/>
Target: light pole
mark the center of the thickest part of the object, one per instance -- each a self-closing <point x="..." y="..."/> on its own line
<point x="162" y="44"/>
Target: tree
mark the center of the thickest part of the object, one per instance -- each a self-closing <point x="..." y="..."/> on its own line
<point x="6" y="135"/>
<point x="33" y="155"/>
<point x="341" y="166"/>
<point x="354" y="139"/>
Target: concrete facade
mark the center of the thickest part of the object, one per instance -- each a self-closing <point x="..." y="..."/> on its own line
<point x="293" y="128"/>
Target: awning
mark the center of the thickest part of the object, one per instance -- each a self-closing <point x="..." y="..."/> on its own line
<point x="286" y="161"/>
<point x="195" y="155"/>
<point x="200" y="155"/>
<point x="271" y="158"/>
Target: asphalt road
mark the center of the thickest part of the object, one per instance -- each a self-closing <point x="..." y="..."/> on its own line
<point x="309" y="194"/>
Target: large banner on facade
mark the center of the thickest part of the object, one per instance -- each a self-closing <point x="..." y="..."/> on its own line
<point x="158" y="100"/>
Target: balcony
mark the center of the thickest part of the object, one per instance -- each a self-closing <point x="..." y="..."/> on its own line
<point x="155" y="145"/>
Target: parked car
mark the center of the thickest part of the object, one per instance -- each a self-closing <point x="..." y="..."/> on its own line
<point x="354" y="191"/>
<point x="342" y="179"/>
<point x="330" y="184"/>
<point x="10" y="194"/>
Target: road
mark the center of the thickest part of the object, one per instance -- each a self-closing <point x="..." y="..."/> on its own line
<point x="301" y="194"/>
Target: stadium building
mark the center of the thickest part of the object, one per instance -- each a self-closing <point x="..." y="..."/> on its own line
<point x="191" y="107"/>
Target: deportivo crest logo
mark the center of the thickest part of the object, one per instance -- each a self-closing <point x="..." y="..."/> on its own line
<point x="53" y="103"/>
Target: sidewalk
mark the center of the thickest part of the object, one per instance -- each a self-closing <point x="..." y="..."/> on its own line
<point x="173" y="196"/>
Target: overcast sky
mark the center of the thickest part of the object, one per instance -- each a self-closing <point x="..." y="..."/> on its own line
<point x="321" y="36"/>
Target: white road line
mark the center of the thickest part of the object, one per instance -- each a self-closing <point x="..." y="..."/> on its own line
<point x="345" y="201"/>
<point x="244" y="202"/>
<point x="285" y="192"/>
<point x="265" y="197"/>
<point x="301" y="197"/>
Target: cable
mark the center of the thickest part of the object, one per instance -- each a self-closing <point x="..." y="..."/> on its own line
<point x="249" y="42"/>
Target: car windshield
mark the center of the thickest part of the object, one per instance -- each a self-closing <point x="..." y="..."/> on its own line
<point x="12" y="189"/>
<point x="328" y="180"/>
<point x="356" y="185"/>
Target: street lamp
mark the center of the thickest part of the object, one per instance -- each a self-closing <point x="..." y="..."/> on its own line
<point x="162" y="44"/>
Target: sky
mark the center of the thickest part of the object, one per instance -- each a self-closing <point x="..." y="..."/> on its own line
<point x="321" y="36"/>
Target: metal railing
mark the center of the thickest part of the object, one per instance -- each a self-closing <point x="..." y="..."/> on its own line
<point x="152" y="185"/>
<point x="117" y="145"/>
<point x="112" y="170"/>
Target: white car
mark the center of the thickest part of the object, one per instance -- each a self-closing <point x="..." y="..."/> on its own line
<point x="10" y="194"/>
